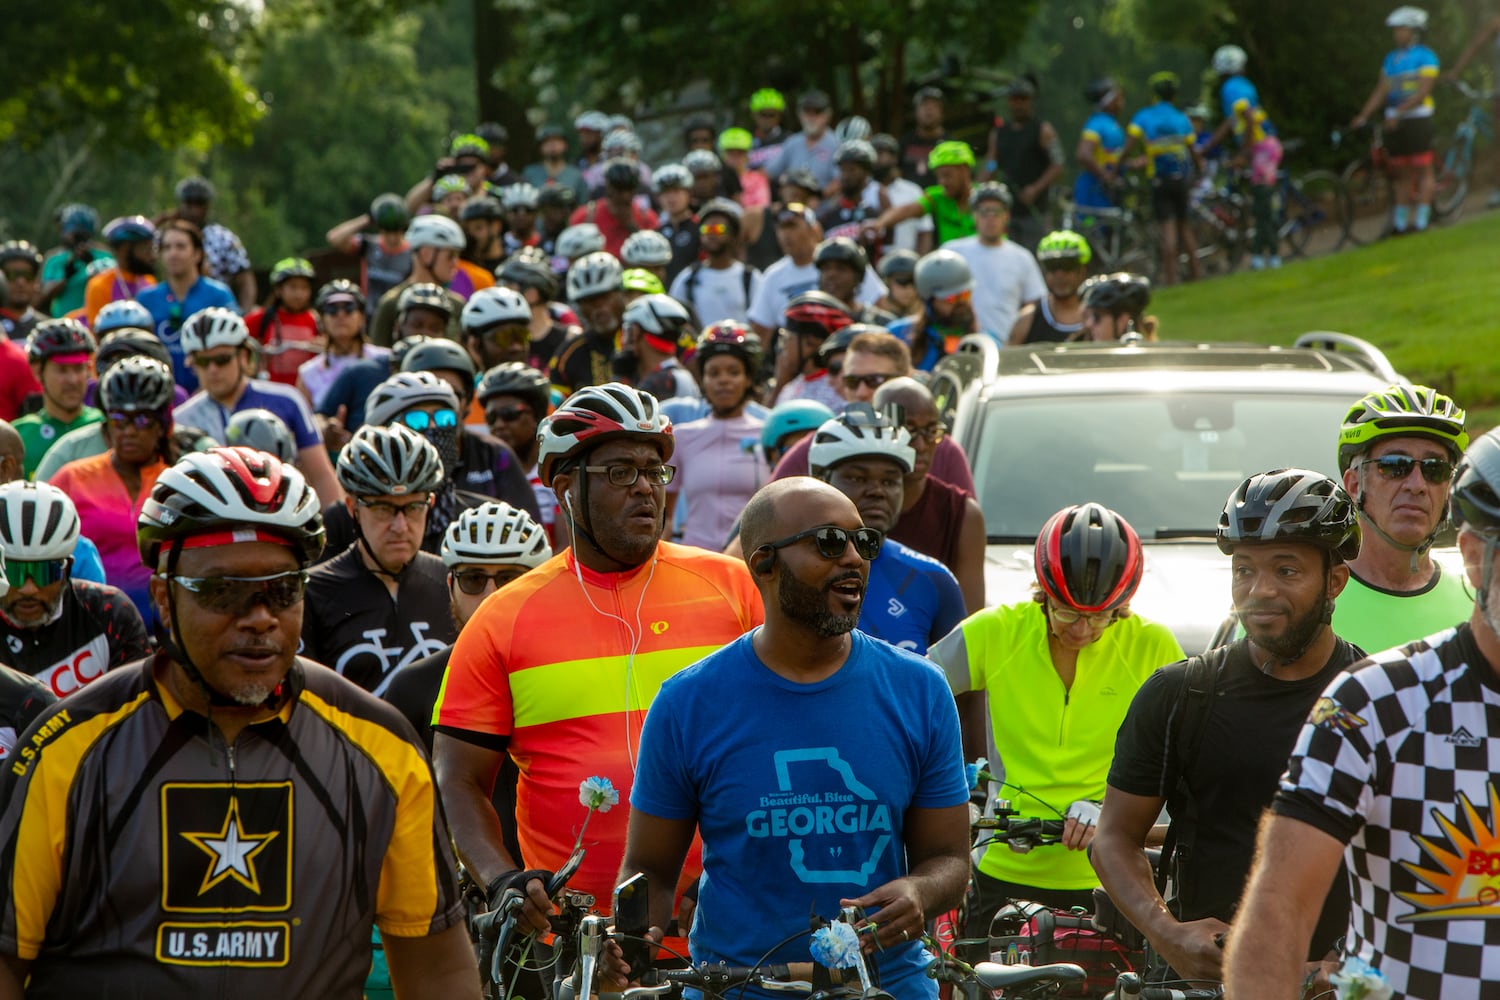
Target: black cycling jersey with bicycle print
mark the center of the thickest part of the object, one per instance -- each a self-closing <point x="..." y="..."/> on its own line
<point x="351" y="624"/>
<point x="96" y="628"/>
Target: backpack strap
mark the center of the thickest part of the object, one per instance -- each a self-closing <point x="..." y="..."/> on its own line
<point x="691" y="288"/>
<point x="1185" y="728"/>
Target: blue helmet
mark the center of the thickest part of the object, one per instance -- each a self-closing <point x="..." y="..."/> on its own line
<point x="123" y="314"/>
<point x="792" y="416"/>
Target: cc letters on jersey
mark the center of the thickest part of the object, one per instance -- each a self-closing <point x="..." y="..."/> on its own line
<point x="226" y="848"/>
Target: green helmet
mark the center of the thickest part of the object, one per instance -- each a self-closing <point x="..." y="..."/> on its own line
<point x="767" y="99"/>
<point x="950" y="154"/>
<point x="1064" y="244"/>
<point x="449" y="184"/>
<point x="469" y="144"/>
<point x="1404" y="410"/>
<point x="291" y="267"/>
<point x="1163" y="84"/>
<point x="638" y="279"/>
<point x="735" y="138"/>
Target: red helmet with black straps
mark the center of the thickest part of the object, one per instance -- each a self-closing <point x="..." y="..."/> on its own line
<point x="816" y="314"/>
<point x="1088" y="558"/>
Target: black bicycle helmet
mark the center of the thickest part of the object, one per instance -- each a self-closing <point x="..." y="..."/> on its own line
<point x="129" y="342"/>
<point x="897" y="264"/>
<point x="840" y="340"/>
<point x="1291" y="505"/>
<point x="55" y="337"/>
<point x="529" y="271"/>
<point x="557" y="196"/>
<point x="195" y="190"/>
<point x="516" y="378"/>
<point x="139" y="383"/>
<point x="482" y="207"/>
<point x="20" y="250"/>
<point x="389" y="213"/>
<point x="729" y="336"/>
<point x="336" y="289"/>
<point x="1098" y="90"/>
<point x="1120" y="292"/>
<point x="437" y="354"/>
<point x="1088" y="559"/>
<point x="623" y="174"/>
<point x="843" y="250"/>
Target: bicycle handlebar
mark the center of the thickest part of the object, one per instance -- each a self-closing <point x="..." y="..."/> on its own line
<point x="1130" y="987"/>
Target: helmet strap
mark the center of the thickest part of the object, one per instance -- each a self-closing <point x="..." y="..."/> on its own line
<point x="1417" y="551"/>
<point x="380" y="567"/>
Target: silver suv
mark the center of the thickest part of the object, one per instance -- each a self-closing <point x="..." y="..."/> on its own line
<point x="1160" y="432"/>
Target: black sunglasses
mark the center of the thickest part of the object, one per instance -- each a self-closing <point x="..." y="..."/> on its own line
<point x="1397" y="467"/>
<point x="832" y="542"/>
<point x="473" y="581"/>
<point x="227" y="595"/>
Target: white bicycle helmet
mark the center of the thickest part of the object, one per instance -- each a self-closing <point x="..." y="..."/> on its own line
<point x="263" y="431"/>
<point x="594" y="121"/>
<point x="1407" y="17"/>
<point x="671" y="175"/>
<point x="858" y="432"/>
<point x="213" y="327"/>
<point x="37" y="522"/>
<point x="493" y="306"/>
<point x="236" y="492"/>
<point x="389" y="461"/>
<point x="579" y="241"/>
<point x="404" y="390"/>
<point x="435" y="231"/>
<point x="124" y="314"/>
<point x="595" y="274"/>
<point x="702" y="161"/>
<point x="855" y="127"/>
<point x="659" y="315"/>
<point x="596" y="414"/>
<point x="942" y="273"/>
<point x="1229" y="60"/>
<point x="496" y="534"/>
<point x="646" y="248"/>
<point x="621" y="142"/>
<point x="520" y="195"/>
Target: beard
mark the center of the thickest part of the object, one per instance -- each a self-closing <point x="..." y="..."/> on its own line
<point x="252" y="693"/>
<point x="808" y="605"/>
<point x="1299" y="634"/>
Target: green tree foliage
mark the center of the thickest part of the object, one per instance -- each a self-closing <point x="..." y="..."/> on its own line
<point x="158" y="74"/>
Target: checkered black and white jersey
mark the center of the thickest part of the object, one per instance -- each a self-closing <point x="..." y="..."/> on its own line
<point x="1398" y="760"/>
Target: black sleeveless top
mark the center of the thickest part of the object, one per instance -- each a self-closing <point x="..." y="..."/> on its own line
<point x="1019" y="152"/>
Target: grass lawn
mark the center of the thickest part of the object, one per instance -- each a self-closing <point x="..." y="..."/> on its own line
<point x="1430" y="302"/>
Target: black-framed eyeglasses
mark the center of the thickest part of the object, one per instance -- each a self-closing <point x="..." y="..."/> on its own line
<point x="384" y="510"/>
<point x="473" y="581"/>
<point x="1067" y="616"/>
<point x="507" y="414"/>
<point x="141" y="420"/>
<point x="626" y="475"/>
<point x="238" y="594"/>
<point x="1398" y="467"/>
<point x="832" y="541"/>
<point x="932" y="433"/>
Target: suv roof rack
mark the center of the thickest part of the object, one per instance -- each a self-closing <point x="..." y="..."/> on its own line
<point x="1362" y="351"/>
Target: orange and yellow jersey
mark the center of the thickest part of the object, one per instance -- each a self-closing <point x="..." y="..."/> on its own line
<point x="559" y="669"/>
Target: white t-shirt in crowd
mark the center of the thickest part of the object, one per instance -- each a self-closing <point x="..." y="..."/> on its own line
<point x="904" y="235"/>
<point x="1006" y="277"/>
<point x="716" y="294"/>
<point x="784" y="281"/>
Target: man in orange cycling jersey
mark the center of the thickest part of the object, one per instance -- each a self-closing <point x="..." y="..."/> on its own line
<point x="558" y="669"/>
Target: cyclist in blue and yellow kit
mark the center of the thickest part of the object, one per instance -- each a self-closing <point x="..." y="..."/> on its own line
<point x="1167" y="136"/>
<point x="1062" y="669"/>
<point x="1100" y="147"/>
<point x="1407" y="77"/>
<point x="1243" y="114"/>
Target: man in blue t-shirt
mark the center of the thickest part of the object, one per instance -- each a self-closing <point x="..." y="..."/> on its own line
<point x="1100" y="147"/>
<point x="1167" y="138"/>
<point x="911" y="600"/>
<point x="821" y="768"/>
<point x="183" y="292"/>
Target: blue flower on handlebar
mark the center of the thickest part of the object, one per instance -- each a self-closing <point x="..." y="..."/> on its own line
<point x="1358" y="980"/>
<point x="598" y="793"/>
<point x="836" y="946"/>
<point x="972" y="772"/>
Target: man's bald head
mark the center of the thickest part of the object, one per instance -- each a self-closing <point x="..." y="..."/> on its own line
<point x="785" y="507"/>
<point x="12" y="453"/>
<point x="907" y="393"/>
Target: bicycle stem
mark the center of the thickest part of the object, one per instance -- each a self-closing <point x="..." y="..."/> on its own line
<point x="592" y="931"/>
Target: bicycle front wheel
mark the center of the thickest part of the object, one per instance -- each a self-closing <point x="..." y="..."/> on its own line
<point x="1454" y="164"/>
<point x="1368" y="190"/>
<point x="1315" y="214"/>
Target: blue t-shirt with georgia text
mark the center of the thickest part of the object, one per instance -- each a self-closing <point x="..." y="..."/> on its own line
<point x="800" y="792"/>
<point x="170" y="314"/>
<point x="911" y="600"/>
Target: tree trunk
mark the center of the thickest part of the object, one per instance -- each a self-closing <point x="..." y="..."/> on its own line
<point x="494" y="44"/>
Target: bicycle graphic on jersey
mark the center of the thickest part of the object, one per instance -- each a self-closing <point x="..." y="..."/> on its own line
<point x="392" y="658"/>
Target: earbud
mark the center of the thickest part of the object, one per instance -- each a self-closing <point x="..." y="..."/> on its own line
<point x="568" y="497"/>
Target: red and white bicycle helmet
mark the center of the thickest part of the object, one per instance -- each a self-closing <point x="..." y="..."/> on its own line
<point x="1088" y="558"/>
<point x="230" y="495"/>
<point x="596" y="414"/>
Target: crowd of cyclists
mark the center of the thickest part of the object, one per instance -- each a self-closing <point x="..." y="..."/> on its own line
<point x="594" y="437"/>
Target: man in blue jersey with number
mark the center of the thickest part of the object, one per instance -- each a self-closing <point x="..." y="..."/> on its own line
<point x="1167" y="138"/>
<point x="863" y="804"/>
<point x="1404" y="90"/>
<point x="1100" y="147"/>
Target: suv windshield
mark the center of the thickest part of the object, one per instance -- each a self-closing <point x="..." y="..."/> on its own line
<point x="1167" y="462"/>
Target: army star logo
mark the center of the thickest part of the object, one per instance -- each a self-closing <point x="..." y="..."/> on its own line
<point x="233" y="852"/>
